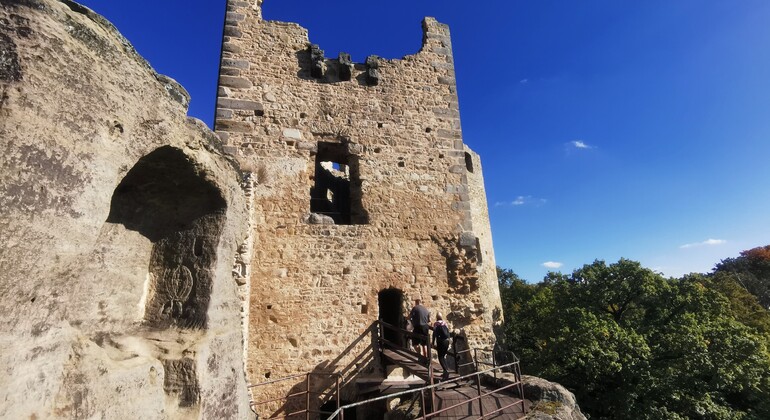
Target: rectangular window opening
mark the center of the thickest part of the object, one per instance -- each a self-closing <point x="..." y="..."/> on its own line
<point x="337" y="189"/>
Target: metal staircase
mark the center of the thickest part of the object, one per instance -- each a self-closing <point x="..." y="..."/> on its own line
<point x="485" y="384"/>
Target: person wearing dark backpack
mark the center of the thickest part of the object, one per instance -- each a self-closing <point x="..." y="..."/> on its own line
<point x="441" y="341"/>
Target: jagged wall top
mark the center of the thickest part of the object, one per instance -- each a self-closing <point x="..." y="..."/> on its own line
<point x="435" y="36"/>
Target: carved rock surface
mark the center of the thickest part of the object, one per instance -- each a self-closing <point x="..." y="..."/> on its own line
<point x="120" y="218"/>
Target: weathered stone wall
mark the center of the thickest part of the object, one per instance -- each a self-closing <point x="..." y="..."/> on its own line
<point x="119" y="224"/>
<point x="315" y="283"/>
<point x="487" y="267"/>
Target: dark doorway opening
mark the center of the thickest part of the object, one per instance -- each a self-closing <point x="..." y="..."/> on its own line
<point x="391" y="303"/>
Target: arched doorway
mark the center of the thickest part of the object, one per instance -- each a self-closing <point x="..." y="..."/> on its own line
<point x="391" y="306"/>
<point x="167" y="199"/>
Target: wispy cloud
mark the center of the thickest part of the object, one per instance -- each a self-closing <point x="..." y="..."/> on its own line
<point x="580" y="144"/>
<point x="524" y="81"/>
<point x="552" y="264"/>
<point x="522" y="200"/>
<point x="707" y="242"/>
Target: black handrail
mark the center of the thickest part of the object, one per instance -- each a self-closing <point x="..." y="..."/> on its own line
<point x="339" y="413"/>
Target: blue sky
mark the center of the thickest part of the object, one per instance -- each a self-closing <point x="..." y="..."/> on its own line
<point x="607" y="129"/>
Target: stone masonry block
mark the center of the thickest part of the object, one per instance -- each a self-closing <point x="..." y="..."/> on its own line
<point x="230" y="47"/>
<point x="240" y="104"/>
<point x="235" y="82"/>
<point x="467" y="239"/>
<point x="232" y="31"/>
<point x="229" y="72"/>
<point x="234" y="126"/>
<point x="442" y="51"/>
<point x="292" y="133"/>
<point x="448" y="134"/>
<point x="234" y="17"/>
<point x="443" y="65"/>
<point x="238" y="64"/>
<point x="446" y="112"/>
<point x="224" y="113"/>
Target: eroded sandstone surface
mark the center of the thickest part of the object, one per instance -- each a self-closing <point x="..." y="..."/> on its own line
<point x="120" y="218"/>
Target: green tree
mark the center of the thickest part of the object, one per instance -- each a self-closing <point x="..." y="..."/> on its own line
<point x="632" y="344"/>
<point x="752" y="270"/>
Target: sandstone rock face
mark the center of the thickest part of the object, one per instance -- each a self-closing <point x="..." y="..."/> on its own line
<point x="550" y="400"/>
<point x="374" y="147"/>
<point x="120" y="219"/>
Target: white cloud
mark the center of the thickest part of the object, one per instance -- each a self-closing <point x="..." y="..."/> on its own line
<point x="524" y="81"/>
<point x="522" y="200"/>
<point x="707" y="242"/>
<point x="552" y="264"/>
<point x="580" y="144"/>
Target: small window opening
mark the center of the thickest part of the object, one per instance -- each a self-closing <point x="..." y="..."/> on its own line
<point x="478" y="252"/>
<point x="337" y="189"/>
<point x="468" y="162"/>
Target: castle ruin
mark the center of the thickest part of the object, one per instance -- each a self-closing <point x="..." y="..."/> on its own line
<point x="152" y="267"/>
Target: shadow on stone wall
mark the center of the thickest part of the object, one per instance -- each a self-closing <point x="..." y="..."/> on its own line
<point x="323" y="382"/>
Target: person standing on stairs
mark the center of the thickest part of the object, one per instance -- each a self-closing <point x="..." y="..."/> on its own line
<point x="441" y="341"/>
<point x="420" y="317"/>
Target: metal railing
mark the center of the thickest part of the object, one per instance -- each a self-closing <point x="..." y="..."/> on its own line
<point x="477" y="359"/>
<point x="340" y="412"/>
<point x="308" y="393"/>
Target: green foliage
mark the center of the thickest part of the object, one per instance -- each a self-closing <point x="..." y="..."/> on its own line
<point x="632" y="344"/>
<point x="752" y="271"/>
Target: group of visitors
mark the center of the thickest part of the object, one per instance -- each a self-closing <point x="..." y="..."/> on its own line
<point x="419" y="317"/>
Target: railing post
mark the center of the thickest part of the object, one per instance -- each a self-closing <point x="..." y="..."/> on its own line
<point x="494" y="363"/>
<point x="457" y="356"/>
<point x="422" y="398"/>
<point x="478" y="388"/>
<point x="337" y="386"/>
<point x="432" y="390"/>
<point x="517" y="369"/>
<point x="307" y="397"/>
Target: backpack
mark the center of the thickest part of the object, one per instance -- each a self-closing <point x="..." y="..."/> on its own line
<point x="441" y="332"/>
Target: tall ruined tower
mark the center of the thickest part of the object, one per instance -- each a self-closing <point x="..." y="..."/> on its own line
<point x="362" y="193"/>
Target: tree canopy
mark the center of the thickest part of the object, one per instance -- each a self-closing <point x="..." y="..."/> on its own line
<point x="752" y="270"/>
<point x="633" y="344"/>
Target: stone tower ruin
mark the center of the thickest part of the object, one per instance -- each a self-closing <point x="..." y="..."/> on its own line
<point x="363" y="195"/>
<point x="151" y="268"/>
